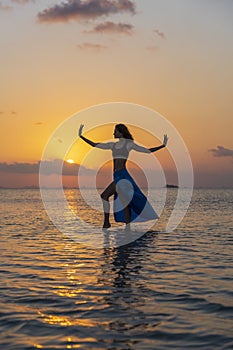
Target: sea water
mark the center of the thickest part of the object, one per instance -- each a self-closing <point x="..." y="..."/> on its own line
<point x="163" y="291"/>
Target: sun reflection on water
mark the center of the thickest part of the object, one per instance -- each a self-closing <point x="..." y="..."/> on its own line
<point x="72" y="343"/>
<point x="65" y="292"/>
<point x="68" y="321"/>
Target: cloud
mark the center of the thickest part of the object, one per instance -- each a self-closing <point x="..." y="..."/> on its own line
<point x="9" y="113"/>
<point x="111" y="27"/>
<point x="159" y="33"/>
<point x="80" y="10"/>
<point x="38" y="123"/>
<point x="221" y="151"/>
<point x="22" y="1"/>
<point x="49" y="167"/>
<point x="5" y="7"/>
<point x="20" y="168"/>
<point x="152" y="48"/>
<point x="92" y="47"/>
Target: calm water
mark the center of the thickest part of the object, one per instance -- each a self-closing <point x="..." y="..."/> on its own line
<point x="164" y="291"/>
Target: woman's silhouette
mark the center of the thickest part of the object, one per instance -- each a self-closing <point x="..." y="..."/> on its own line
<point x="130" y="204"/>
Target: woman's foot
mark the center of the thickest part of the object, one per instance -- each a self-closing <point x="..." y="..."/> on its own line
<point x="127" y="228"/>
<point x="106" y="225"/>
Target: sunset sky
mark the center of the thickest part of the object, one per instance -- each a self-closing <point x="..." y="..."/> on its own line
<point x="173" y="56"/>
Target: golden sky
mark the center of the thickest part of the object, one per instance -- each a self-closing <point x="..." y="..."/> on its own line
<point x="175" y="57"/>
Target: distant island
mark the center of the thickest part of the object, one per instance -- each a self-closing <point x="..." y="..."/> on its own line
<point x="171" y="186"/>
<point x="20" y="188"/>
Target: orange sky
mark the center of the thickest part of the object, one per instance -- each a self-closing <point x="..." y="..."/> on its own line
<point x="172" y="56"/>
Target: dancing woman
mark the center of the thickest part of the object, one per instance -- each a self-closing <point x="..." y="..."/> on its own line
<point x="130" y="204"/>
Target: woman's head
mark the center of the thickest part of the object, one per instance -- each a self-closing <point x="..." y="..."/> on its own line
<point x="122" y="131"/>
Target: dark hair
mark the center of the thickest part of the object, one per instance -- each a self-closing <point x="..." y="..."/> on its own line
<point x="124" y="131"/>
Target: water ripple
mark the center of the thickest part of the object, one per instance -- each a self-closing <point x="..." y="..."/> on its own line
<point x="164" y="291"/>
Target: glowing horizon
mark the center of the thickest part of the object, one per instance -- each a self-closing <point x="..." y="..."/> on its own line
<point x="155" y="54"/>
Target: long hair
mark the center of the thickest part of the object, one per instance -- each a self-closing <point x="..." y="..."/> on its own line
<point x="124" y="130"/>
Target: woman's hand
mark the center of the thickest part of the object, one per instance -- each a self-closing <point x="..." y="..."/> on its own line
<point x="165" y="139"/>
<point x="80" y="130"/>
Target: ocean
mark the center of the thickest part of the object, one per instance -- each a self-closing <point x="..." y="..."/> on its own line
<point x="163" y="291"/>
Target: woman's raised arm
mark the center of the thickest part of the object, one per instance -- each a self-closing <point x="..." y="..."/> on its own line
<point x="102" y="145"/>
<point x="149" y="150"/>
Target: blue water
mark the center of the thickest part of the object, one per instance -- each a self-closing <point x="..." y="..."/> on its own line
<point x="164" y="291"/>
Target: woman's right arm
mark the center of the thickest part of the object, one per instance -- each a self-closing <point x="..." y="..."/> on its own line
<point x="102" y="145"/>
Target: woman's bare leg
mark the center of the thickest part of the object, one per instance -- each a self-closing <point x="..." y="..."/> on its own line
<point x="108" y="192"/>
<point x="127" y="218"/>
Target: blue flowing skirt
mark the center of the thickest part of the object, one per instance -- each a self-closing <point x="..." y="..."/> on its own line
<point x="128" y="190"/>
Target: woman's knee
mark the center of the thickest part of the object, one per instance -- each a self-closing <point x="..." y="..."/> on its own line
<point x="104" y="196"/>
<point x="108" y="192"/>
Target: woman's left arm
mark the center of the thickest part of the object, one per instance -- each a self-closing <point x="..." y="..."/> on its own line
<point x="154" y="149"/>
<point x="149" y="150"/>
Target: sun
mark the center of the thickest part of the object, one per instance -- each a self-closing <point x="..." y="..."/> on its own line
<point x="70" y="161"/>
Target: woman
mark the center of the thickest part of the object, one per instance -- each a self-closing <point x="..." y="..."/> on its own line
<point x="130" y="204"/>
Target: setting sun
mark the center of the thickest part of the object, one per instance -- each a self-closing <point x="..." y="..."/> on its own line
<point x="70" y="161"/>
